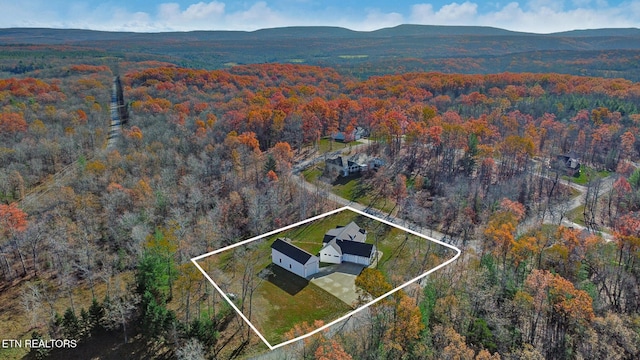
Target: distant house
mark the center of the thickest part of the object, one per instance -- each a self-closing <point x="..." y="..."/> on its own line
<point x="294" y="259"/>
<point x="568" y="163"/>
<point x="357" y="134"/>
<point x="355" y="164"/>
<point x="347" y="244"/>
<point x="336" y="165"/>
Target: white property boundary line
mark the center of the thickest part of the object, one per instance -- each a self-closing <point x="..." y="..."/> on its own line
<point x="272" y="347"/>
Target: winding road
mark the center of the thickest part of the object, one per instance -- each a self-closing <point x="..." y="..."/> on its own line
<point x="554" y="215"/>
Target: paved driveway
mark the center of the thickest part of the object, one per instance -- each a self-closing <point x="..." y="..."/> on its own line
<point x="339" y="281"/>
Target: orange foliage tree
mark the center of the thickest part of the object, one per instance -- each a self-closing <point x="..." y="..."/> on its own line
<point x="12" y="220"/>
<point x="552" y="307"/>
<point x="11" y="123"/>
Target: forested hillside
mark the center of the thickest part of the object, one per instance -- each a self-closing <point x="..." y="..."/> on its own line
<point x="608" y="53"/>
<point x="95" y="243"/>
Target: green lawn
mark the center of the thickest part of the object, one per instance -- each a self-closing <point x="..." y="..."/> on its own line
<point x="349" y="187"/>
<point x="406" y="256"/>
<point x="577" y="215"/>
<point x="327" y="145"/>
<point x="311" y="174"/>
<point x="285" y="310"/>
<point x="587" y="174"/>
<point x="352" y="188"/>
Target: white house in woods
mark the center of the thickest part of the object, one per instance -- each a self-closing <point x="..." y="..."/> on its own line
<point x="347" y="243"/>
<point x="294" y="259"/>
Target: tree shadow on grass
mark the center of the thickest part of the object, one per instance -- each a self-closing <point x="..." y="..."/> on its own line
<point x="285" y="280"/>
<point x="358" y="191"/>
<point x="343" y="180"/>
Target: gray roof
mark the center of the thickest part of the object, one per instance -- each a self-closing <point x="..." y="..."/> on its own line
<point x="336" y="161"/>
<point x="351" y="232"/>
<point x="333" y="244"/>
<point x="291" y="251"/>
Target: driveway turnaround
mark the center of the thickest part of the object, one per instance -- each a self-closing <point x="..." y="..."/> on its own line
<point x="339" y="281"/>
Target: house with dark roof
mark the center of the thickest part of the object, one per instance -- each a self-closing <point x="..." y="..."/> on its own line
<point x="336" y="165"/>
<point x="343" y="136"/>
<point x="355" y="164"/>
<point x="347" y="244"/>
<point x="293" y="258"/>
<point x="569" y="164"/>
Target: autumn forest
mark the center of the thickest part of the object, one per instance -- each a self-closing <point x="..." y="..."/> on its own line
<point x="95" y="240"/>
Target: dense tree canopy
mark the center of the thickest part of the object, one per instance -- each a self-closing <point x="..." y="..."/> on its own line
<point x="208" y="160"/>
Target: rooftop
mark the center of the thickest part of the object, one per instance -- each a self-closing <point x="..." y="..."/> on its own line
<point x="291" y="251"/>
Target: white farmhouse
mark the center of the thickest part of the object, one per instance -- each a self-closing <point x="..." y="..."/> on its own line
<point x="347" y="243"/>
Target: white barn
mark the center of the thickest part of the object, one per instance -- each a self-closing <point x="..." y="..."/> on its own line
<point x="294" y="259"/>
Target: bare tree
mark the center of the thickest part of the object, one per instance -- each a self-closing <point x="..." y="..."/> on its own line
<point x="591" y="204"/>
<point x="118" y="312"/>
<point x="191" y="350"/>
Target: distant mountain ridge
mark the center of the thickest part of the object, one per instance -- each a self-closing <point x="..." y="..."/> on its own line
<point x="465" y="49"/>
<point x="61" y="36"/>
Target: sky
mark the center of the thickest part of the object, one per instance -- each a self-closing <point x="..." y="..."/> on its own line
<point x="538" y="16"/>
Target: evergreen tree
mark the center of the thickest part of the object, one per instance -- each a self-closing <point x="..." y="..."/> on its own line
<point x="96" y="316"/>
<point x="70" y="325"/>
<point x="270" y="165"/>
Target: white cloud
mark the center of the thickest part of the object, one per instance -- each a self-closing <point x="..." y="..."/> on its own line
<point x="213" y="16"/>
<point x="199" y="15"/>
<point x="541" y="16"/>
<point x="458" y="12"/>
<point x="259" y="15"/>
<point x="376" y="19"/>
<point x="203" y="10"/>
<point x="451" y="14"/>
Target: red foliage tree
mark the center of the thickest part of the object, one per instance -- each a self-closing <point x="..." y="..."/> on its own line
<point x="12" y="219"/>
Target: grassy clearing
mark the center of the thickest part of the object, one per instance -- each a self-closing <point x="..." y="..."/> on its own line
<point x="311" y="174"/>
<point x="587" y="174"/>
<point x="308" y="305"/>
<point x="406" y="256"/>
<point x="353" y="56"/>
<point x="577" y="215"/>
<point x="352" y="188"/>
<point x="326" y="145"/>
<point x="349" y="187"/>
